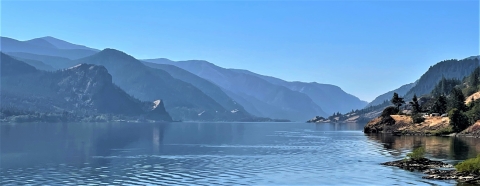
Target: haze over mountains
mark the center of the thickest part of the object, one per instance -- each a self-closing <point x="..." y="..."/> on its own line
<point x="191" y="90"/>
<point x="84" y="89"/>
<point x="447" y="69"/>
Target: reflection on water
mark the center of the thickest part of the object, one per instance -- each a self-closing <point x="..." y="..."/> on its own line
<point x="446" y="148"/>
<point x="212" y="153"/>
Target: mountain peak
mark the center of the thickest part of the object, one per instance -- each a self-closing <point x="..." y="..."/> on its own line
<point x="114" y="53"/>
<point x="61" y="44"/>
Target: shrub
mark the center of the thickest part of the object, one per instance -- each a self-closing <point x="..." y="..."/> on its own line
<point x="442" y="131"/>
<point x="417" y="118"/>
<point x="389" y="111"/>
<point x="417" y="154"/>
<point x="471" y="165"/>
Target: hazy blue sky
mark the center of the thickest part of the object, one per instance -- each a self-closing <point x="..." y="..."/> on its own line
<point x="365" y="47"/>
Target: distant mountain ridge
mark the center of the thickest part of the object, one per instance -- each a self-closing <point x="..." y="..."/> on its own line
<point x="267" y="99"/>
<point x="183" y="100"/>
<point x="188" y="93"/>
<point x="205" y="86"/>
<point x="401" y="91"/>
<point x="448" y="69"/>
<point x="84" y="88"/>
<point x="330" y="98"/>
<point x="41" y="47"/>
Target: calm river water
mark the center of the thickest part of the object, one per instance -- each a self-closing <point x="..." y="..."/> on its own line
<point x="213" y="154"/>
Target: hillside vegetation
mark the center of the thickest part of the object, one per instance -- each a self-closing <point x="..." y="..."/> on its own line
<point x="448" y="105"/>
<point x="439" y="79"/>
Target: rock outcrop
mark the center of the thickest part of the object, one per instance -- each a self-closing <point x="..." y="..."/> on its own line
<point x="435" y="170"/>
<point x="417" y="164"/>
<point x="157" y="111"/>
<point x="84" y="89"/>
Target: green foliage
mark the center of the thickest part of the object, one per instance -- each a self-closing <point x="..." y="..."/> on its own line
<point x="474" y="113"/>
<point x="458" y="120"/>
<point x="397" y="101"/>
<point x="471" y="165"/>
<point x="445" y="86"/>
<point x="474" y="79"/>
<point x="417" y="153"/>
<point x="456" y="100"/>
<point x="443" y="131"/>
<point x="440" y="105"/>
<point x="340" y="116"/>
<point x="417" y="118"/>
<point x="389" y="111"/>
<point x="449" y="69"/>
<point x="473" y="82"/>
<point x="415" y="106"/>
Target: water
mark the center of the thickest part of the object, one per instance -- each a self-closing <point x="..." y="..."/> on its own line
<point x="213" y="154"/>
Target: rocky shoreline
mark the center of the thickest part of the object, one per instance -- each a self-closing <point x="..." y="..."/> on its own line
<point x="417" y="165"/>
<point x="402" y="125"/>
<point x="435" y="170"/>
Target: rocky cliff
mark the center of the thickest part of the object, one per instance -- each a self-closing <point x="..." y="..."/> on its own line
<point x="83" y="89"/>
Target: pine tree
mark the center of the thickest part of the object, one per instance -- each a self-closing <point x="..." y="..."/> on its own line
<point x="440" y="105"/>
<point x="458" y="120"/>
<point x="474" y="78"/>
<point x="397" y="101"/>
<point x="415" y="105"/>
<point x="457" y="100"/>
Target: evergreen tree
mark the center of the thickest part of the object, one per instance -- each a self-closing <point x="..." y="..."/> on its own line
<point x="457" y="100"/>
<point x="440" y="105"/>
<point x="397" y="101"/>
<point x="458" y="120"/>
<point x="473" y="82"/>
<point x="415" y="105"/>
<point x="474" y="78"/>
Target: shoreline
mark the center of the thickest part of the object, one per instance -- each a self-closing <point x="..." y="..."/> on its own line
<point x="434" y="170"/>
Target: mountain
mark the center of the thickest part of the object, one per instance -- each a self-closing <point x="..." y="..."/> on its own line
<point x="60" y="44"/>
<point x="401" y="91"/>
<point x="205" y="86"/>
<point x="473" y="57"/>
<point x="182" y="100"/>
<point x="41" y="47"/>
<point x="83" y="88"/>
<point x="449" y="69"/>
<point x="37" y="64"/>
<point x="330" y="98"/>
<point x="266" y="99"/>
<point x="55" y="62"/>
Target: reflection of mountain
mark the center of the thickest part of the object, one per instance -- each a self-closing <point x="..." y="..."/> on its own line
<point x="436" y="147"/>
<point x="74" y="143"/>
<point x="98" y="144"/>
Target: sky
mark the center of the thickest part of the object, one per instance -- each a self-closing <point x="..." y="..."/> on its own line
<point x="365" y="47"/>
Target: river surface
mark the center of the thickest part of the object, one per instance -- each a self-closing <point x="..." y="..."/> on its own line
<point x="213" y="154"/>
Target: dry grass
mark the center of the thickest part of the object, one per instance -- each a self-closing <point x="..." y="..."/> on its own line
<point x="402" y="119"/>
<point x="352" y="119"/>
<point x="474" y="96"/>
<point x="430" y="125"/>
<point x="474" y="128"/>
